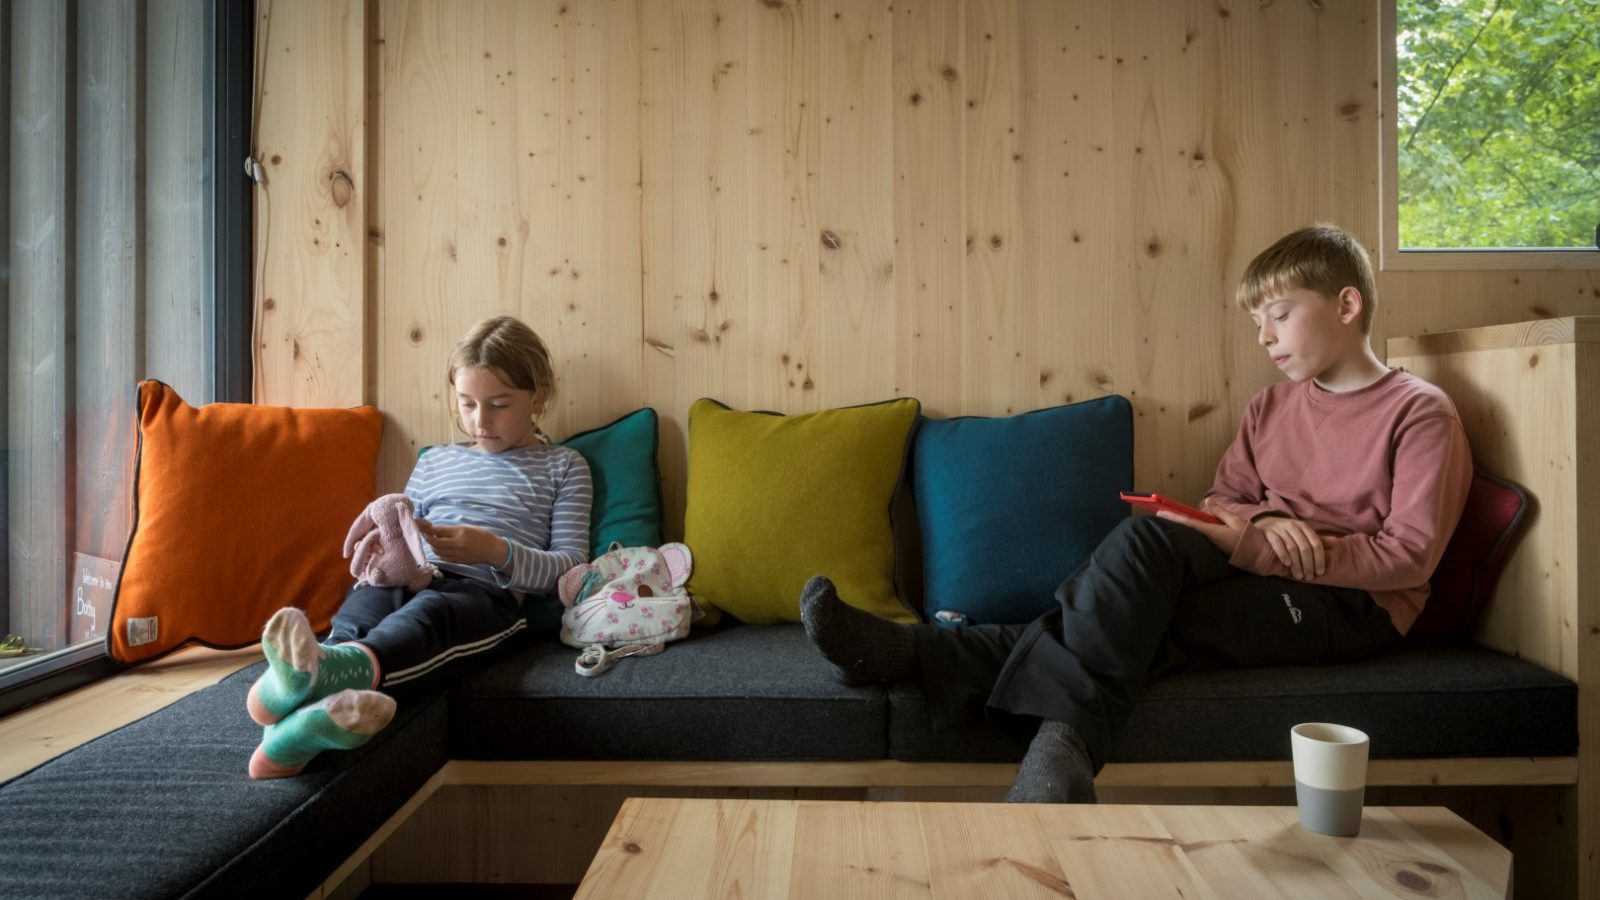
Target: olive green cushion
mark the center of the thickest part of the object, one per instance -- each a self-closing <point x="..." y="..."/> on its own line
<point x="773" y="500"/>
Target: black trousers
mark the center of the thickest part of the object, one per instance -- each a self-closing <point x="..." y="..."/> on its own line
<point x="424" y="639"/>
<point x="1154" y="595"/>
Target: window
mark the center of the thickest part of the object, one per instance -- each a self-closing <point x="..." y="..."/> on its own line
<point x="124" y="254"/>
<point x="1491" y="136"/>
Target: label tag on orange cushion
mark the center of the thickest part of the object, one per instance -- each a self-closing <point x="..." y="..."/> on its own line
<point x="143" y="631"/>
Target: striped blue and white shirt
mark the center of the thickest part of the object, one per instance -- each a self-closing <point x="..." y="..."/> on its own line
<point x="537" y="497"/>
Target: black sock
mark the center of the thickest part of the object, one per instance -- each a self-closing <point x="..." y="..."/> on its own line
<point x="862" y="647"/>
<point x="1056" y="769"/>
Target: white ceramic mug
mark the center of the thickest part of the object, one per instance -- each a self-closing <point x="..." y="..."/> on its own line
<point x="1330" y="776"/>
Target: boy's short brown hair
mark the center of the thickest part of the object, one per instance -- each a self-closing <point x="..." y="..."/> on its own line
<point x="1321" y="258"/>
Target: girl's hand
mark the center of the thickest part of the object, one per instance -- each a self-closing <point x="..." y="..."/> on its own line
<point x="1297" y="545"/>
<point x="1225" y="536"/>
<point x="464" y="544"/>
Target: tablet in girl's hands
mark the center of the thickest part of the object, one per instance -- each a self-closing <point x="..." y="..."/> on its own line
<point x="1155" y="503"/>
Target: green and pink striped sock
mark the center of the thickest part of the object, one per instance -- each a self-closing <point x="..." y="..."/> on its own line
<point x="343" y="721"/>
<point x="300" y="670"/>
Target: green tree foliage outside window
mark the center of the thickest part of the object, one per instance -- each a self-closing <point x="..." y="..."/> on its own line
<point x="1499" y="123"/>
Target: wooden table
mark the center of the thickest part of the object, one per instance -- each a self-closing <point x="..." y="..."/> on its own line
<point x="673" y="848"/>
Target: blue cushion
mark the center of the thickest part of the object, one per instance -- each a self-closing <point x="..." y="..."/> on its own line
<point x="627" y="485"/>
<point x="1010" y="507"/>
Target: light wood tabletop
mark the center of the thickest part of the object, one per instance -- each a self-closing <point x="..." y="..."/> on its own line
<point x="680" y="849"/>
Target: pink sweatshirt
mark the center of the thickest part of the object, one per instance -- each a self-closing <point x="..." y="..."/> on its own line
<point x="1383" y="470"/>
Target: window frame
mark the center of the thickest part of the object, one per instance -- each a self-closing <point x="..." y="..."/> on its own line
<point x="230" y="56"/>
<point x="1390" y="255"/>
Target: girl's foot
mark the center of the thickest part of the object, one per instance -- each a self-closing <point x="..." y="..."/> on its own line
<point x="343" y="721"/>
<point x="300" y="670"/>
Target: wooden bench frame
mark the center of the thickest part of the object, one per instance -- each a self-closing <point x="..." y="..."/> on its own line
<point x="1517" y="388"/>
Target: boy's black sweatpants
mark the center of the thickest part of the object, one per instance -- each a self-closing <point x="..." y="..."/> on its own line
<point x="1152" y="595"/>
<point x="421" y="639"/>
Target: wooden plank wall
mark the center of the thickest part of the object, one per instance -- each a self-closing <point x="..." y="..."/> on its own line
<point x="991" y="205"/>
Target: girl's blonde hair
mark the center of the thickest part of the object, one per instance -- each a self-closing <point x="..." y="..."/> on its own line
<point x="513" y="352"/>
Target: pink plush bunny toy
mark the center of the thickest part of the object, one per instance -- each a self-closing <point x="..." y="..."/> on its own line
<point x="387" y="546"/>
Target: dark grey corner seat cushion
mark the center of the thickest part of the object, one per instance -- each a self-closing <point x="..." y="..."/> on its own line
<point x="740" y="692"/>
<point x="1422" y="701"/>
<point x="164" y="808"/>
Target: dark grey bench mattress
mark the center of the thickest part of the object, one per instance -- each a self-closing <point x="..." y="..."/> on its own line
<point x="162" y="807"/>
<point x="763" y="693"/>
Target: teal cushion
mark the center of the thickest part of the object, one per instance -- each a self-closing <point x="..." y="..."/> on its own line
<point x="627" y="485"/>
<point x="1010" y="507"/>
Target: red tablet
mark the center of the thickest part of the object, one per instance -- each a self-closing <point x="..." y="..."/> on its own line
<point x="1156" y="503"/>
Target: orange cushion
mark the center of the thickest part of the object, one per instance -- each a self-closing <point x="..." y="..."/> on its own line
<point x="238" y="510"/>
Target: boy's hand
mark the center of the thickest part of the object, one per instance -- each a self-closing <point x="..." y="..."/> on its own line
<point x="1225" y="536"/>
<point x="464" y="544"/>
<point x="1297" y="545"/>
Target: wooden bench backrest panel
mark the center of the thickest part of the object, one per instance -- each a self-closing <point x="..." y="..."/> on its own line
<point x="1518" y="390"/>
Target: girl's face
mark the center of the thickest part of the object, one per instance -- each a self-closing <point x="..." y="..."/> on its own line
<point x="497" y="416"/>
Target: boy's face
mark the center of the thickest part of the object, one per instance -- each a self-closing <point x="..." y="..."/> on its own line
<point x="1305" y="333"/>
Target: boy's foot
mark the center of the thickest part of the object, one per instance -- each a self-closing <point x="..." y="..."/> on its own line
<point x="862" y="647"/>
<point x="1056" y="769"/>
<point x="300" y="670"/>
<point x="343" y="721"/>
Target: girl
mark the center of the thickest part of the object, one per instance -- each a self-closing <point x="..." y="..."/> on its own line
<point x="502" y="516"/>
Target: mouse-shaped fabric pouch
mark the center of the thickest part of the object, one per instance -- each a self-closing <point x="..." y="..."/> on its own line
<point x="628" y="595"/>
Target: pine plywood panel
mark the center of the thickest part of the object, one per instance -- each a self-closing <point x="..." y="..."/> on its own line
<point x="856" y="312"/>
<point x="310" y="219"/>
<point x="998" y="356"/>
<point x="665" y="175"/>
<point x="783" y="159"/>
<point x="930" y="233"/>
<point x="1533" y="392"/>
<point x="415" y="222"/>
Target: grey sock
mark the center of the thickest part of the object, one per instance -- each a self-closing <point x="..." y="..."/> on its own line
<point x="1056" y="769"/>
<point x="862" y="647"/>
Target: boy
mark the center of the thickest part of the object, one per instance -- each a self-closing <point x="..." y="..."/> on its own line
<point x="1336" y="497"/>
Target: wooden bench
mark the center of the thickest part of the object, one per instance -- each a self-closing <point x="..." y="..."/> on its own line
<point x="1518" y="391"/>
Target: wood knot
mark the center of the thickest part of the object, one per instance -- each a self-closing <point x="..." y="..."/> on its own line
<point x="1413" y="881"/>
<point x="1533" y="361"/>
<point x="949" y="73"/>
<point x="916" y="98"/>
<point x="501" y="241"/>
<point x="630" y="847"/>
<point x="714" y="296"/>
<point x="415" y="334"/>
<point x="269" y="304"/>
<point x="277" y="159"/>
<point x="1152" y="248"/>
<point x="995" y="242"/>
<point x="772" y="4"/>
<point x="1199" y="410"/>
<point x="830" y="239"/>
<point x="1349" y="110"/>
<point x="342" y="186"/>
